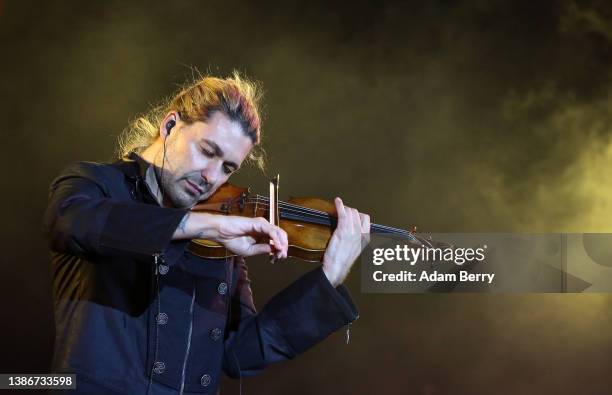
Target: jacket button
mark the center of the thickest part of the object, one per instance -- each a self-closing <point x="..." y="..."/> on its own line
<point x="222" y="288"/>
<point x="215" y="334"/>
<point x="159" y="367"/>
<point x="162" y="318"/>
<point x="205" y="380"/>
<point x="163" y="269"/>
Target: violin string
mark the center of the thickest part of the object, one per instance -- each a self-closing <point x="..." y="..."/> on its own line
<point x="263" y="200"/>
<point x="292" y="208"/>
<point x="260" y="198"/>
<point x="320" y="214"/>
<point x="314" y="212"/>
<point x="288" y="208"/>
<point x="295" y="208"/>
<point x="300" y="210"/>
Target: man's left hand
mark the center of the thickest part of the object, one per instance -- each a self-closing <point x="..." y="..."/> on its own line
<point x="345" y="244"/>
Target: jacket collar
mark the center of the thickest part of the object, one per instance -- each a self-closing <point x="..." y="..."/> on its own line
<point x="141" y="172"/>
<point x="138" y="163"/>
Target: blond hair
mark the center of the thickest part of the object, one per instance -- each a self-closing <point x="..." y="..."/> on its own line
<point x="237" y="97"/>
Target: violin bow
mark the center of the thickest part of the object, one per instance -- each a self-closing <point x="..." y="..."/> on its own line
<point x="274" y="209"/>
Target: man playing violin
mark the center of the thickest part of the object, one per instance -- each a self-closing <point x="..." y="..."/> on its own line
<point x="135" y="310"/>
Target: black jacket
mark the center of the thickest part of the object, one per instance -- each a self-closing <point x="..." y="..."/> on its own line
<point x="133" y="307"/>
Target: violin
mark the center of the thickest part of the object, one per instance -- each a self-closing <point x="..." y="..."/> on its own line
<point x="309" y="222"/>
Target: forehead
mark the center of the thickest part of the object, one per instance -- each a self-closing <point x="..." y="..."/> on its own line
<point x="228" y="135"/>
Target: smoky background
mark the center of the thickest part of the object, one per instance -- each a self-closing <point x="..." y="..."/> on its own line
<point x="473" y="116"/>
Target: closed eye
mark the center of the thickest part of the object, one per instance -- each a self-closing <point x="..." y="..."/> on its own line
<point x="207" y="153"/>
<point x="211" y="150"/>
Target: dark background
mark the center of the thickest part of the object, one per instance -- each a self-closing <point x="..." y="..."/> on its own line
<point x="477" y="116"/>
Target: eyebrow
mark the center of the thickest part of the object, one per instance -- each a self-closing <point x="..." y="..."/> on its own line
<point x="219" y="153"/>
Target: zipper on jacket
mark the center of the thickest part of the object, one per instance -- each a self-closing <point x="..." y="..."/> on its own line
<point x="188" y="339"/>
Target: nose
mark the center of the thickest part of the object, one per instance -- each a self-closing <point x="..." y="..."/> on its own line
<point x="209" y="174"/>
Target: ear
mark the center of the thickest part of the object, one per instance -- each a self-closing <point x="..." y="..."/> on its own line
<point x="171" y="118"/>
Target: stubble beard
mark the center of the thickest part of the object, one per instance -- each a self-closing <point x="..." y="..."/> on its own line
<point x="173" y="187"/>
<point x="175" y="191"/>
<point x="172" y="192"/>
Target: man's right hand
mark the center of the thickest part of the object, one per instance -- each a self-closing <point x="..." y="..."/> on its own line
<point x="238" y="234"/>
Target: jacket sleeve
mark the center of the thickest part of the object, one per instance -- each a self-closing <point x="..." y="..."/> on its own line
<point x="84" y="218"/>
<point x="298" y="317"/>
